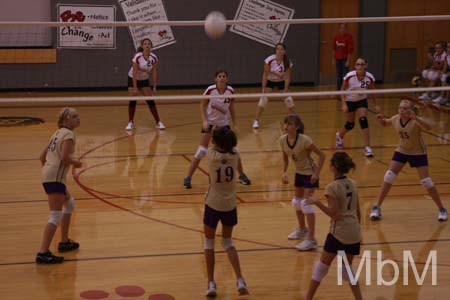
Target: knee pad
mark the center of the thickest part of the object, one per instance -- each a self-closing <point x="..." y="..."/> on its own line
<point x="389" y="176"/>
<point x="297" y="203"/>
<point x="263" y="101"/>
<point x="209" y="244"/>
<point x="55" y="217"/>
<point x="306" y="208"/>
<point x="151" y="103"/>
<point x="289" y="102"/>
<point x="132" y="104"/>
<point x="363" y="123"/>
<point x="349" y="125"/>
<point x="68" y="206"/>
<point x="201" y="152"/>
<point x="320" y="270"/>
<point x="427" y="182"/>
<point x="425" y="74"/>
<point x="227" y="243"/>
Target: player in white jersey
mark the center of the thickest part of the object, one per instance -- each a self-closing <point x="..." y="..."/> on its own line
<point x="276" y="75"/>
<point x="298" y="147"/>
<point x="344" y="237"/>
<point x="215" y="112"/>
<point x="144" y="64"/>
<point x="436" y="72"/>
<point x="411" y="149"/>
<point x="220" y="204"/>
<point x="443" y="98"/>
<point x="356" y="104"/>
<point x="56" y="159"/>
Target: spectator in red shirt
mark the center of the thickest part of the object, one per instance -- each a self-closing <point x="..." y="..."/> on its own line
<point x="342" y="52"/>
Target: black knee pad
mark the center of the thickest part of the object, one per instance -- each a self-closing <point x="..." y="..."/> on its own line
<point x="349" y="125"/>
<point x="363" y="123"/>
<point x="151" y="103"/>
<point x="132" y="104"/>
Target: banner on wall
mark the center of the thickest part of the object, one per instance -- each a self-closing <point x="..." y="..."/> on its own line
<point x="268" y="34"/>
<point x="86" y="37"/>
<point x="147" y="10"/>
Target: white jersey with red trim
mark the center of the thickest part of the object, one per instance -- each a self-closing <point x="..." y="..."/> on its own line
<point x="353" y="84"/>
<point x="218" y="109"/>
<point x="144" y="65"/>
<point x="274" y="66"/>
<point x="439" y="61"/>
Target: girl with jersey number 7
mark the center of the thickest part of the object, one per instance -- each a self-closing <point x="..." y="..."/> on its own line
<point x="356" y="104"/>
<point x="220" y="204"/>
<point x="345" y="232"/>
<point x="56" y="159"/>
<point x="215" y="112"/>
<point x="411" y="149"/>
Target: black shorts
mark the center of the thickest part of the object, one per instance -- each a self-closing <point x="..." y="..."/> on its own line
<point x="333" y="245"/>
<point x="275" y="84"/>
<point x="415" y="161"/>
<point x="55" y="188"/>
<point x="303" y="181"/>
<point x="353" y="106"/>
<point x="140" y="83"/>
<point x="211" y="217"/>
<point x="210" y="128"/>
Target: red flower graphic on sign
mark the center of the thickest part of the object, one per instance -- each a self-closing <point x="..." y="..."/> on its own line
<point x="68" y="16"/>
<point x="162" y="33"/>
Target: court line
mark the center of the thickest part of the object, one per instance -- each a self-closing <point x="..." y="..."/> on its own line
<point x="135" y="197"/>
<point x="242" y="250"/>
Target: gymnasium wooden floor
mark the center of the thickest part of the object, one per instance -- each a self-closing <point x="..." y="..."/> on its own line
<point x="140" y="230"/>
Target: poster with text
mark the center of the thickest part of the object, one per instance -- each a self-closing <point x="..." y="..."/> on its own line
<point x="268" y="34"/>
<point x="147" y="10"/>
<point x="86" y="37"/>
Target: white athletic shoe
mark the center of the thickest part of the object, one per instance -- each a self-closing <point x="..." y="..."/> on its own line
<point x="255" y="124"/>
<point x="298" y="233"/>
<point x="443" y="215"/>
<point x="160" y="126"/>
<point x="437" y="100"/>
<point x="307" y="245"/>
<point x="425" y="97"/>
<point x="212" y="289"/>
<point x="130" y="126"/>
<point x="339" y="141"/>
<point x="368" y="152"/>
<point x="242" y="287"/>
<point x="375" y="213"/>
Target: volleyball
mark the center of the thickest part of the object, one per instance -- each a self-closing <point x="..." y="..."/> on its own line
<point x="215" y="25"/>
<point x="416" y="80"/>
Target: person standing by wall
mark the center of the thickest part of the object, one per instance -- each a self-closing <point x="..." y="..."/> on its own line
<point x="342" y="53"/>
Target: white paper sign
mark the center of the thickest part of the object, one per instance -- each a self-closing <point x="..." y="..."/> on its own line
<point x="269" y="34"/>
<point x="83" y="36"/>
<point x="147" y="10"/>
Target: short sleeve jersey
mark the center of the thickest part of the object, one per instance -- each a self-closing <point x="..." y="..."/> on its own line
<point x="274" y="66"/>
<point x="410" y="134"/>
<point x="222" y="168"/>
<point x="354" y="84"/>
<point x="54" y="169"/>
<point x="298" y="152"/>
<point x="346" y="229"/>
<point x="218" y="109"/>
<point x="144" y="65"/>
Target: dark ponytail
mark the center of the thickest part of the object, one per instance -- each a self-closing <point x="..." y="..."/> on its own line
<point x="224" y="138"/>
<point x="342" y="162"/>
<point x="286" y="61"/>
